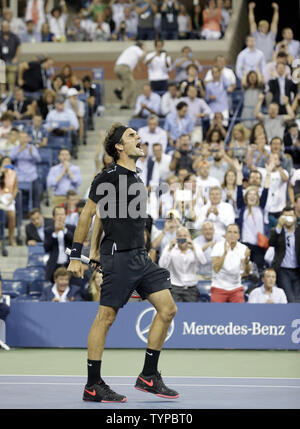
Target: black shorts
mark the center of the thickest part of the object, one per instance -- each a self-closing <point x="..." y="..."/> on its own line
<point x="124" y="272"/>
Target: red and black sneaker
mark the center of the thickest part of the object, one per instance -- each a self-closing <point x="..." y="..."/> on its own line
<point x="101" y="392"/>
<point x="154" y="384"/>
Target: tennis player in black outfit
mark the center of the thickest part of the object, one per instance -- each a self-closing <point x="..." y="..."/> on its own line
<point x="119" y="197"/>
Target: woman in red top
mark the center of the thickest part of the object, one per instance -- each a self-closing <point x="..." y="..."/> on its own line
<point x="211" y="21"/>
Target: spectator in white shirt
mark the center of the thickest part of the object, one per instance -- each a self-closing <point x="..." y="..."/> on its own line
<point x="158" y="64"/>
<point x="204" y="180"/>
<point x="35" y="11"/>
<point x="277" y="196"/>
<point x="118" y="9"/>
<point x="149" y="169"/>
<point x="147" y="103"/>
<point x="17" y="25"/>
<point x="197" y="109"/>
<point x="227" y="72"/>
<point x="170" y="99"/>
<point x="152" y="134"/>
<point x="220" y="162"/>
<point x="57" y="21"/>
<point x="86" y="23"/>
<point x="268" y="293"/>
<point x="249" y="59"/>
<point x="78" y="107"/>
<point x="162" y="160"/>
<point x="127" y="29"/>
<point x="221" y="214"/>
<point x="124" y="67"/>
<point x="61" y="114"/>
<point x="101" y="29"/>
<point x="181" y="258"/>
<point x="206" y="241"/>
<point x="167" y="199"/>
<point x="230" y="261"/>
<point x="162" y="238"/>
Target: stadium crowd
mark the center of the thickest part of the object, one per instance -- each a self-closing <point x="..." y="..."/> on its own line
<point x="118" y="20"/>
<point x="224" y="139"/>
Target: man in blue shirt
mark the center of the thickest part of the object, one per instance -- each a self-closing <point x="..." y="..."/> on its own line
<point x="289" y="44"/>
<point x="62" y="114"/>
<point x="63" y="177"/>
<point x="249" y="59"/>
<point x="216" y="93"/>
<point x="147" y="103"/>
<point x="178" y="123"/>
<point x="38" y="132"/>
<point x="26" y="157"/>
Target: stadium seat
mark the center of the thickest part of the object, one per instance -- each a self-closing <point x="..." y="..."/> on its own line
<point x="37" y="260"/>
<point x="38" y="249"/>
<point x="137" y="123"/>
<point x="46" y="156"/>
<point x="57" y="142"/>
<point x="14" y="288"/>
<point x="22" y="124"/>
<point x="43" y="170"/>
<point x="32" y="298"/>
<point x="29" y="274"/>
<point x="37" y="287"/>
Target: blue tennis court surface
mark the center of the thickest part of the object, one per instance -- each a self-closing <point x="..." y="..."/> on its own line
<point x="65" y="392"/>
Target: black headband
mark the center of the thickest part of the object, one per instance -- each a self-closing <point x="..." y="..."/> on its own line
<point x="117" y="135"/>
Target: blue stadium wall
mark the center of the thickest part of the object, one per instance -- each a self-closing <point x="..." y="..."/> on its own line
<point x="196" y="326"/>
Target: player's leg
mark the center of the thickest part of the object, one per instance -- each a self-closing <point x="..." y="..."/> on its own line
<point x="96" y="390"/>
<point x="150" y="379"/>
<point x="166" y="309"/>
<point x="98" y="332"/>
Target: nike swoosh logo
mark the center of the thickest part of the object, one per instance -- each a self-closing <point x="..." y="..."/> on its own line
<point x="150" y="354"/>
<point x="150" y="383"/>
<point x="93" y="393"/>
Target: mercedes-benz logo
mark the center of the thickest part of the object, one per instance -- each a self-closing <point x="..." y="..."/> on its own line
<point x="144" y="321"/>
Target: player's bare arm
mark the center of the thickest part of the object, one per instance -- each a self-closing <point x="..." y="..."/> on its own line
<point x="83" y="227"/>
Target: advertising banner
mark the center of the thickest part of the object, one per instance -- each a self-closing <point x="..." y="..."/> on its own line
<point x="196" y="325"/>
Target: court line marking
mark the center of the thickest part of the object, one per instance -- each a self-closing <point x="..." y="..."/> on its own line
<point x="270" y="386"/>
<point x="165" y="376"/>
